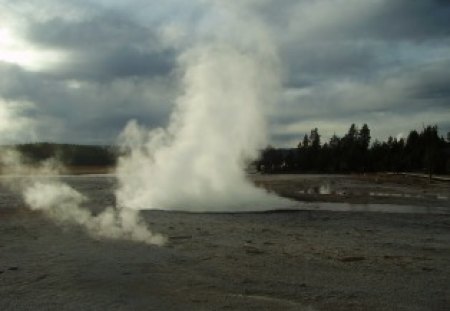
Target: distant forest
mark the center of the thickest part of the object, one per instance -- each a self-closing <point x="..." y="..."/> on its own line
<point x="67" y="154"/>
<point x="423" y="151"/>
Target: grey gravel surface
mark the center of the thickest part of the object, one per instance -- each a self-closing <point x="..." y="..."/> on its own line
<point x="291" y="260"/>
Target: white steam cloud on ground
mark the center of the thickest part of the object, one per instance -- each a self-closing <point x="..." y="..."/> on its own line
<point x="198" y="162"/>
<point x="63" y="204"/>
<point x="43" y="191"/>
<point x="229" y="78"/>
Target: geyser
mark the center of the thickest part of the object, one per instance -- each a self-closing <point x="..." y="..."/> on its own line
<point x="229" y="79"/>
<point x="197" y="163"/>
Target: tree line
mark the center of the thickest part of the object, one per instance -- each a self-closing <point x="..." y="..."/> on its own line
<point x="67" y="154"/>
<point x="423" y="151"/>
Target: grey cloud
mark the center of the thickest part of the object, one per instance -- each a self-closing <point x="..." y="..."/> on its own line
<point x="104" y="46"/>
<point x="310" y="63"/>
<point x="338" y="39"/>
<point x="371" y="20"/>
<point x="432" y="83"/>
<point x="363" y="62"/>
<point x="411" y="20"/>
<point x="407" y="90"/>
<point x="384" y="62"/>
<point x="391" y="102"/>
<point x="120" y="62"/>
<point x="87" y="111"/>
<point x="100" y="30"/>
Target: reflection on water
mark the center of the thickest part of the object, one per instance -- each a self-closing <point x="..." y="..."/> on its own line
<point x="408" y="195"/>
<point x="327" y="189"/>
<point x="322" y="189"/>
<point x="380" y="208"/>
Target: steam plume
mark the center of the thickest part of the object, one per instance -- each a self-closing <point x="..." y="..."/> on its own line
<point x="197" y="163"/>
<point x="63" y="204"/>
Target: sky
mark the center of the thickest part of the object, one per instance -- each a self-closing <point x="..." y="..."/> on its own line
<point x="77" y="71"/>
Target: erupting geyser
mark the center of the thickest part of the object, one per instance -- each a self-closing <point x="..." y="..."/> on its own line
<point x="230" y="78"/>
<point x="197" y="163"/>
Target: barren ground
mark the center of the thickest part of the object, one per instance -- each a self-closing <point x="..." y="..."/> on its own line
<point x="286" y="260"/>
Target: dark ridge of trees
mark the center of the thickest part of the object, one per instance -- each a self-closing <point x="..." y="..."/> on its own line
<point x="423" y="151"/>
<point x="67" y="154"/>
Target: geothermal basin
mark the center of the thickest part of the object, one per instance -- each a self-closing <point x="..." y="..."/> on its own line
<point x="356" y="243"/>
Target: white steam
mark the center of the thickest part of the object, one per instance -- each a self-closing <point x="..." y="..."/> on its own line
<point x="229" y="79"/>
<point x="43" y="191"/>
<point x="197" y="163"/>
<point x="63" y="204"/>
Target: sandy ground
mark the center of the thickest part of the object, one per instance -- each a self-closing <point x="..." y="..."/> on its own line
<point x="286" y="260"/>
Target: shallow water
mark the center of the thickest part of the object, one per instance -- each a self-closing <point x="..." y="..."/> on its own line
<point x="380" y="208"/>
<point x="93" y="182"/>
<point x="327" y="189"/>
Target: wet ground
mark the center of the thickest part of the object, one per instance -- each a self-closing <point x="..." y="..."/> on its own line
<point x="313" y="259"/>
<point x="359" y="189"/>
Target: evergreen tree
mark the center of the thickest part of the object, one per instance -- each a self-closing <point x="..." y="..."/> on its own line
<point x="349" y="149"/>
<point x="424" y="151"/>
<point x="364" y="142"/>
<point x="364" y="137"/>
<point x="413" y="151"/>
<point x="314" y="152"/>
<point x="432" y="144"/>
<point x="305" y="143"/>
<point x="314" y="138"/>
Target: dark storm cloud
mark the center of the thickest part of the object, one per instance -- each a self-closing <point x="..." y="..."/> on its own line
<point x="309" y="64"/>
<point x="116" y="69"/>
<point x="118" y="62"/>
<point x="101" y="30"/>
<point x="381" y="19"/>
<point x="412" y="19"/>
<point x="431" y="83"/>
<point x="89" y="112"/>
<point x="104" y="46"/>
<point x="348" y="36"/>
<point x="383" y="62"/>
